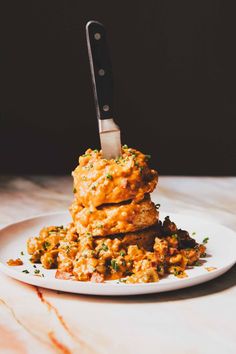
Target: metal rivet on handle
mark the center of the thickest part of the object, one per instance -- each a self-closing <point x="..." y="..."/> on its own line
<point x="106" y="108"/>
<point x="101" y="72"/>
<point x="97" y="36"/>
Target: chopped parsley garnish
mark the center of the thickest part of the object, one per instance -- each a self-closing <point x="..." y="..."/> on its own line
<point x="109" y="176"/>
<point x="121" y="280"/>
<point x="95" y="150"/>
<point x="205" y="240"/>
<point x="88" y="167"/>
<point x="140" y="167"/>
<point x="25" y="271"/>
<point x="118" y="159"/>
<point x="104" y="247"/>
<point x="22" y="253"/>
<point x="99" y="226"/>
<point x="74" y="190"/>
<point x="125" y="146"/>
<point x="67" y="251"/>
<point x="122" y="253"/>
<point x="123" y="262"/>
<point x="114" y="265"/>
<point x="193" y="233"/>
<point x="177" y="272"/>
<point x="37" y="271"/>
<point x="46" y="245"/>
<point x="86" y="155"/>
<point x="203" y="255"/>
<point x="197" y="264"/>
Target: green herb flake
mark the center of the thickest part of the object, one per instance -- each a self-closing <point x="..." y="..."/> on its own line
<point x="74" y="190"/>
<point x="37" y="271"/>
<point x="177" y="272"/>
<point x="114" y="265"/>
<point x="67" y="250"/>
<point x="197" y="264"/>
<point x="22" y="253"/>
<point x="121" y="280"/>
<point x="25" y="271"/>
<point x="95" y="150"/>
<point x="104" y="247"/>
<point x="46" y="245"/>
<point x="122" y="253"/>
<point x="109" y="176"/>
<point x="125" y="146"/>
<point x="118" y="159"/>
<point x="141" y="169"/>
<point x="99" y="226"/>
<point x="193" y="233"/>
<point x="205" y="240"/>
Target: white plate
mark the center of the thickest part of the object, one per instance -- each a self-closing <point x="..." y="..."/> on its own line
<point x="221" y="248"/>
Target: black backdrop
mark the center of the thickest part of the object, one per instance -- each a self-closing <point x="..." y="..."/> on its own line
<point x="174" y="66"/>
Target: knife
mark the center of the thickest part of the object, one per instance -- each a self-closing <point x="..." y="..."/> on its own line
<point x="101" y="70"/>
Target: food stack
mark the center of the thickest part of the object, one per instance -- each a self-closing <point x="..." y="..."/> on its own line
<point x="112" y="197"/>
<point x="116" y="232"/>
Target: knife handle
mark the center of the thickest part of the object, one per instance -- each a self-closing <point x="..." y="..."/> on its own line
<point x="101" y="70"/>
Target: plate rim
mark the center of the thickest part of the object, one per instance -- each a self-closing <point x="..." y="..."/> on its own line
<point x="145" y="288"/>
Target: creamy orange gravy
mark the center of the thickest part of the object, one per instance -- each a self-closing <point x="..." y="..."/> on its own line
<point x="87" y="258"/>
<point x="99" y="181"/>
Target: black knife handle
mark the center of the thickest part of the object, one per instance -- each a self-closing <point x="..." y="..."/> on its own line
<point x="101" y="70"/>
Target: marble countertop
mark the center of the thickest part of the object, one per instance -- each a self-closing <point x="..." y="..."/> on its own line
<point x="196" y="320"/>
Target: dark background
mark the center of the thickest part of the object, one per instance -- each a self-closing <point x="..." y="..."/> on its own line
<point x="174" y="66"/>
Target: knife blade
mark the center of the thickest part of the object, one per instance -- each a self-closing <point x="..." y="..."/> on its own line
<point x="102" y="79"/>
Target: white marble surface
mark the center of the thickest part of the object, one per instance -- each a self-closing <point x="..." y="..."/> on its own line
<point x="196" y="320"/>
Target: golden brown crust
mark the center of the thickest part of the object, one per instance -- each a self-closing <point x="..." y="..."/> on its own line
<point x="99" y="181"/>
<point x="115" y="218"/>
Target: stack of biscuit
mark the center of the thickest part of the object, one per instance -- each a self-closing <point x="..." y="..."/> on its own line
<point x="112" y="197"/>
